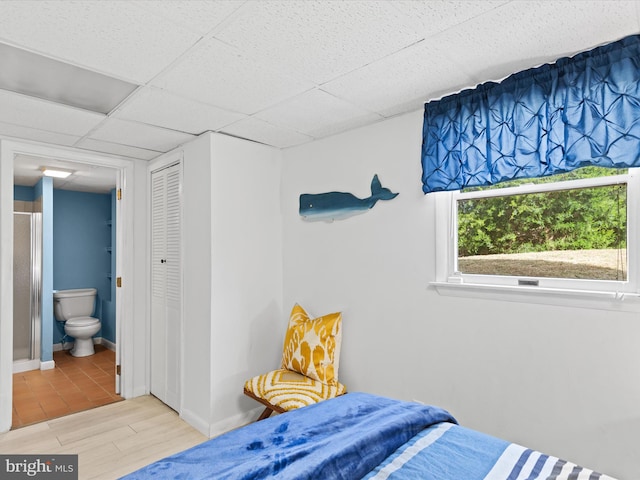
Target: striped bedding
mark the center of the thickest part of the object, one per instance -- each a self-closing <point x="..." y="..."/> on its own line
<point x="448" y="451"/>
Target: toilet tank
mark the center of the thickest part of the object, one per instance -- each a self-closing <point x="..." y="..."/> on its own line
<point x="78" y="302"/>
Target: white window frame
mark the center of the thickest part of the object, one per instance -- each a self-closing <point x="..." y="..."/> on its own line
<point x="451" y="281"/>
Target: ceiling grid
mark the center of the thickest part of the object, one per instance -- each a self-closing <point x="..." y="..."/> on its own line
<point x="279" y="72"/>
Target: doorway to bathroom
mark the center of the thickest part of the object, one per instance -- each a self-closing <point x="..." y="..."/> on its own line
<point x="99" y="369"/>
<point x="79" y="242"/>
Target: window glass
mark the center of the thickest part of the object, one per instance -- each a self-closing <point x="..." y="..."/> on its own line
<point x="573" y="232"/>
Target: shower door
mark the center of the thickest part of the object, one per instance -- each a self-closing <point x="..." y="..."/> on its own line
<point x="26" y="290"/>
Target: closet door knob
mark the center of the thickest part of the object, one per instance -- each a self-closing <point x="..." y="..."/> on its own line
<point x="163" y="260"/>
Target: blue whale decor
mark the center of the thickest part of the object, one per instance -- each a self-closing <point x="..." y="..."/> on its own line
<point x="340" y="205"/>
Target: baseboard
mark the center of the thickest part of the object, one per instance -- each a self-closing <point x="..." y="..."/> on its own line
<point x="138" y="391"/>
<point x="109" y="345"/>
<point x="25" y="365"/>
<point x="195" y="421"/>
<point x="48" y="365"/>
<point x="236" y="421"/>
<point x="57" y="347"/>
<point x="222" y="426"/>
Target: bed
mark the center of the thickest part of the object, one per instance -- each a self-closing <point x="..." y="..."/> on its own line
<point x="360" y="435"/>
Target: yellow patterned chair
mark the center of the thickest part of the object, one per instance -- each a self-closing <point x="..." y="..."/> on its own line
<point x="309" y="371"/>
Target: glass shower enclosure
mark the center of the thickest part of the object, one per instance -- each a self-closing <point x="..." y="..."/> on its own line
<point x="27" y="290"/>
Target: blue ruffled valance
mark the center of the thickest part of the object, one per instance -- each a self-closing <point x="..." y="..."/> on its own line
<point x="578" y="111"/>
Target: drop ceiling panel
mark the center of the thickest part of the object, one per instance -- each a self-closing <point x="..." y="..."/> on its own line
<point x="344" y="125"/>
<point x="319" y="40"/>
<point x="85" y="177"/>
<point x="200" y="16"/>
<point x="159" y="107"/>
<point x="522" y="35"/>
<point x="117" y="149"/>
<point x="43" y="115"/>
<point x="28" y="133"/>
<point x="402" y="82"/>
<point x="116" y="38"/>
<point x="316" y="112"/>
<point x="139" y="135"/>
<point x="87" y="183"/>
<point x="39" y="76"/>
<point x="263" y="132"/>
<point x="436" y="16"/>
<point x="303" y="69"/>
<point x="221" y="75"/>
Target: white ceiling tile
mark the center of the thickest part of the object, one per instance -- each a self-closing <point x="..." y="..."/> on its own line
<point x="263" y="132"/>
<point x="139" y="135"/>
<point x="307" y="68"/>
<point x="88" y="178"/>
<point x="344" y="125"/>
<point x="117" y="149"/>
<point x="319" y="40"/>
<point x="116" y="38"/>
<point x="28" y="133"/>
<point x="159" y="107"/>
<point x="403" y="81"/>
<point x="525" y="34"/>
<point x="43" y="115"/>
<point x="25" y="181"/>
<point x="200" y="16"/>
<point x="85" y="177"/>
<point x="220" y="75"/>
<point x="314" y="112"/>
<point x="88" y="182"/>
<point x="438" y="15"/>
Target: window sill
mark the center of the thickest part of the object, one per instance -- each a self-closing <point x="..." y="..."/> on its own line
<point x="600" y="300"/>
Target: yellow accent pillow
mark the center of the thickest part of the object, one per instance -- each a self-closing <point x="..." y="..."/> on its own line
<point x="312" y="346"/>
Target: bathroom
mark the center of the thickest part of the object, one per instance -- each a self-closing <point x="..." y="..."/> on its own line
<point x="64" y="238"/>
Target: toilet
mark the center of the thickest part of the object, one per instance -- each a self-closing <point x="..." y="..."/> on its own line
<point x="74" y="308"/>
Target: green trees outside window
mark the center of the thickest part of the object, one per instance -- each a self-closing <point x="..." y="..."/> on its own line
<point x="577" y="219"/>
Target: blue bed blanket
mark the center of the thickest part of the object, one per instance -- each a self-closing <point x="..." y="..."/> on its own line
<point x="343" y="438"/>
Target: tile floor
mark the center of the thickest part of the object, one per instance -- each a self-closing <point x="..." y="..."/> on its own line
<point x="75" y="384"/>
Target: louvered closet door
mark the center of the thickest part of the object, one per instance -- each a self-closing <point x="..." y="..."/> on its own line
<point x="166" y="285"/>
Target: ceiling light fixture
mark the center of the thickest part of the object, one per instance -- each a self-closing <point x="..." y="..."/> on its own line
<point x="38" y="76"/>
<point x="56" y="172"/>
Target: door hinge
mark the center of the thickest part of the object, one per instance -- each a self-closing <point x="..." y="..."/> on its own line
<point x="119" y="282"/>
<point x="119" y="194"/>
<point x="118" y="370"/>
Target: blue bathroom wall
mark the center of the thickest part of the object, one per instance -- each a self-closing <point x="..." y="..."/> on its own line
<point x="82" y="250"/>
<point x="23" y="194"/>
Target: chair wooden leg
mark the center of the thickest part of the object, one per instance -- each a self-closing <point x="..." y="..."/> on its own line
<point x="266" y="414"/>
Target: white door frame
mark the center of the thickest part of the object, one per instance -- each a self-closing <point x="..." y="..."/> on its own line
<point x="9" y="148"/>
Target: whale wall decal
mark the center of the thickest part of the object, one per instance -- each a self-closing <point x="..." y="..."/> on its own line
<point x="340" y="205"/>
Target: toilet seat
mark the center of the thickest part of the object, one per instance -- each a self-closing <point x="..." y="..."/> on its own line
<point x="82" y="321"/>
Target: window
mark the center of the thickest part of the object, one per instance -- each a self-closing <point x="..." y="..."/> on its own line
<point x="565" y="232"/>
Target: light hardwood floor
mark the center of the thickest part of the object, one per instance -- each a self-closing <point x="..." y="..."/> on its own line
<point x="110" y="441"/>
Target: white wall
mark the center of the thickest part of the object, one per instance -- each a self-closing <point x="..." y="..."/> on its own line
<point x="197" y="325"/>
<point x="246" y="292"/>
<point x="562" y="380"/>
<point x="232" y="235"/>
